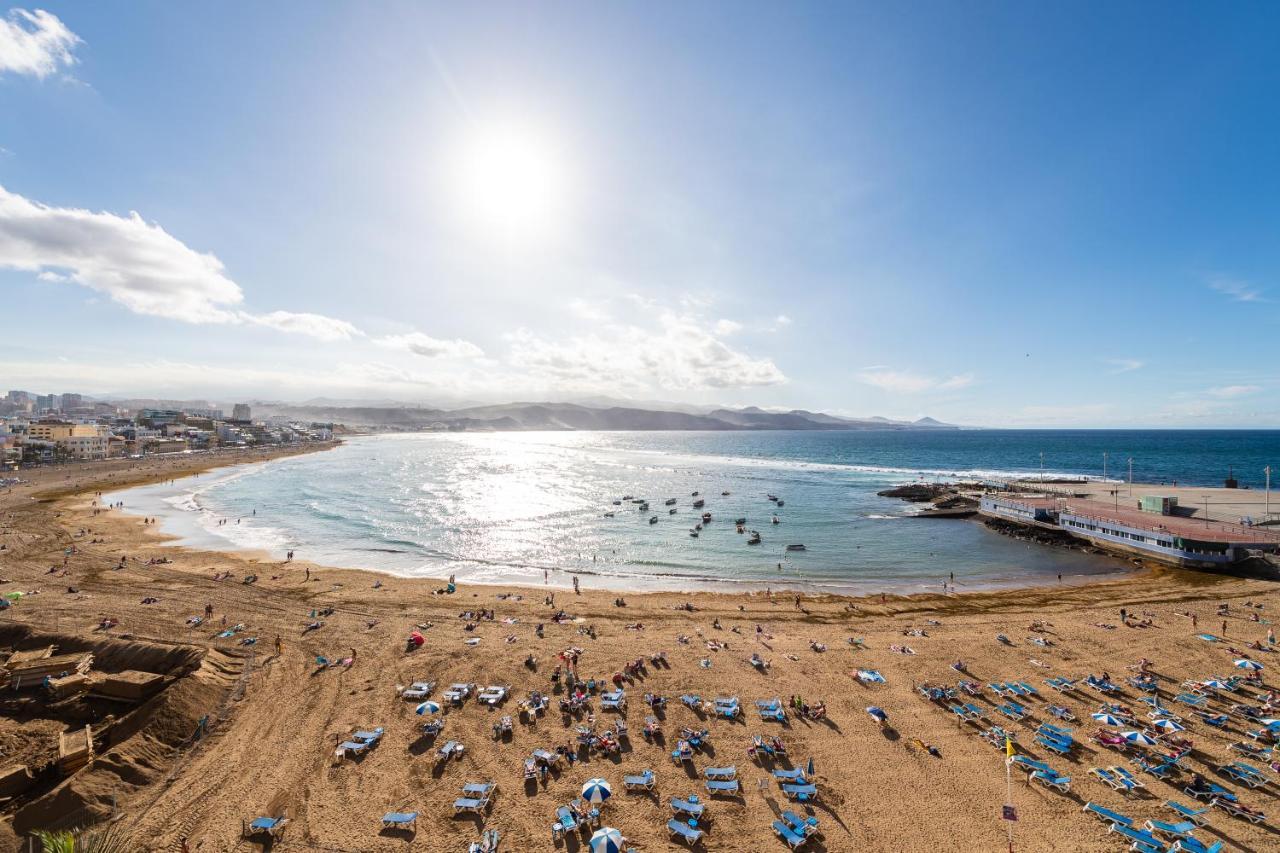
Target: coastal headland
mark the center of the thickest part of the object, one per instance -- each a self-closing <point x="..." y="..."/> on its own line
<point x="236" y="729"/>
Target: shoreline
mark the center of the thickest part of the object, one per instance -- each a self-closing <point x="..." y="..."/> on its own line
<point x="185" y="528"/>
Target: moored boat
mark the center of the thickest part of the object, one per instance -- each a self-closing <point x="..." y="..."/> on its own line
<point x="795" y="548"/>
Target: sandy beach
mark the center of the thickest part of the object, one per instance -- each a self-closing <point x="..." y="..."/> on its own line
<point x="272" y="719"/>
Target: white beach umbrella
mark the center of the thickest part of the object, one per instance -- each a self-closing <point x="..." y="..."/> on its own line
<point x="606" y="839"/>
<point x="596" y="790"/>
<point x="1139" y="738"/>
<point x="1169" y="725"/>
<point x="1108" y="719"/>
<point x="427" y="708"/>
<point x="1213" y="684"/>
<point x="1246" y="663"/>
<point x="1270" y="723"/>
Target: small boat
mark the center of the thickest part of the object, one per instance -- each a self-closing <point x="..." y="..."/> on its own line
<point x="724" y="494"/>
<point x="795" y="547"/>
<point x="699" y="503"/>
<point x="617" y="503"/>
<point x="638" y="500"/>
<point x="741" y="529"/>
<point x="775" y="520"/>
<point x="627" y="497"/>
<point x="781" y="502"/>
<point x="653" y="519"/>
<point x="755" y="538"/>
<point x="772" y="497"/>
<point x="644" y="507"/>
<point x="670" y="502"/>
<point x="608" y="515"/>
<point x="739" y="521"/>
<point x="695" y="494"/>
<point x="671" y="511"/>
<point x="698" y="526"/>
<point x="706" y="516"/>
<point x="693" y="532"/>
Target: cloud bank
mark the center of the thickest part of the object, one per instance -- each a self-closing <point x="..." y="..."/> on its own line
<point x="906" y="382"/>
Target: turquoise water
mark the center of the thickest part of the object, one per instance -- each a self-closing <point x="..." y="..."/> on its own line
<point x="505" y="507"/>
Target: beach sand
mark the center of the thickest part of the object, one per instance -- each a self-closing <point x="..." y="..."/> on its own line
<point x="275" y="718"/>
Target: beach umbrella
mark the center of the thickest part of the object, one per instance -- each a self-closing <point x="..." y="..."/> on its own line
<point x="1108" y="719"/>
<point x="808" y="768"/>
<point x="1245" y="663"/>
<point x="427" y="708"/>
<point x="606" y="839"/>
<point x="1169" y="725"/>
<point x="1270" y="723"/>
<point x="1138" y="738"/>
<point x="878" y="713"/>
<point x="596" y="791"/>
<point x="1213" y="684"/>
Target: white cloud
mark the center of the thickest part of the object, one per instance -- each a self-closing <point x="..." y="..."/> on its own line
<point x="137" y="264"/>
<point x="1124" y="365"/>
<point x="906" y="382"/>
<point x="429" y="347"/>
<point x="782" y="320"/>
<point x="675" y="352"/>
<point x="725" y="328"/>
<point x="1239" y="291"/>
<point x="587" y="310"/>
<point x="1227" y="392"/>
<point x="314" y="325"/>
<point x="35" y="43"/>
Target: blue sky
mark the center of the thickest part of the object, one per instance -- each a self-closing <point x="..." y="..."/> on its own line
<point x="1000" y="214"/>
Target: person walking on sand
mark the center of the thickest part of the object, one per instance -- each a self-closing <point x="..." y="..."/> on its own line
<point x="576" y="590"/>
<point x="1194" y="620"/>
<point x="279" y="646"/>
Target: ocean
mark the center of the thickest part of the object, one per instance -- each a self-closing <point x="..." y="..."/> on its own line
<point x="507" y="507"/>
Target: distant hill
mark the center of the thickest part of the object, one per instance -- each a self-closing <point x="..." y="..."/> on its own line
<point x="573" y="416"/>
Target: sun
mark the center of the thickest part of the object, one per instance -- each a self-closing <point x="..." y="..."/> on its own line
<point x="511" y="182"/>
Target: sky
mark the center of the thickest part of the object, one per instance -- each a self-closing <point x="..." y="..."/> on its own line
<point x="997" y="214"/>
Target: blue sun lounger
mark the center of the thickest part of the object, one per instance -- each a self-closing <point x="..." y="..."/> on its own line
<point x="730" y="772"/>
<point x="715" y="788"/>
<point x="684" y="832"/>
<point x="800" y="793"/>
<point x="354" y="747"/>
<point x="400" y="820"/>
<point x="1211" y="792"/>
<point x="565" y="821"/>
<point x="643" y="782"/>
<point x="789" y="836"/>
<point x="1028" y="764"/>
<point x="1138" y="836"/>
<point x="689" y="806"/>
<point x="691" y="701"/>
<point x="1196" y="816"/>
<point x="794" y="775"/>
<point x="1191" y="699"/>
<point x="475" y="805"/>
<point x="271" y="826"/>
<point x="1106" y="814"/>
<point x="1181" y="829"/>
<point x="479" y="789"/>
<point x="1245" y="774"/>
<point x="805" y="826"/>
<point x="1051" y="779"/>
<point x="1195" y="845"/>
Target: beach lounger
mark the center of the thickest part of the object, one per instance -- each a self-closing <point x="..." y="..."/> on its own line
<point x="543" y="756"/>
<point x="1131" y="782"/>
<point x="1181" y="829"/>
<point x="474" y="805"/>
<point x="479" y="789"/>
<point x="789" y="836"/>
<point x="1106" y="815"/>
<point x="642" y="782"/>
<point x="1050" y="779"/>
<point x="730" y="772"/>
<point x="494" y="695"/>
<point x="1012" y="710"/>
<point x="974" y="712"/>
<point x="801" y="793"/>
<point x="1195" y="845"/>
<point x="431" y="728"/>
<point x="418" y="690"/>
<point x="725" y="788"/>
<point x="1211" y="792"/>
<point x="689" y="806"/>
<point x="353" y="747"/>
<point x="870" y="676"/>
<point x="1191" y="699"/>
<point x="369" y="737"/>
<point x="1196" y="816"/>
<point x="1245" y="774"/>
<point x="691" y="701"/>
<point x="1234" y="809"/>
<point x="684" y="832"/>
<point x="400" y="820"/>
<point x="1218" y="721"/>
<point x="1108" y="778"/>
<point x="449" y="750"/>
<point x="1138" y="836"/>
<point x="795" y="775"/>
<point x="269" y="826"/>
<point x="565" y="822"/>
<point x="615" y="701"/>
<point x="1028" y="764"/>
<point x="998" y="689"/>
<point x="1058" y="745"/>
<point x="806" y="826"/>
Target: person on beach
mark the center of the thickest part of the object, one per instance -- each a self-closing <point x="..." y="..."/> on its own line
<point x="576" y="590"/>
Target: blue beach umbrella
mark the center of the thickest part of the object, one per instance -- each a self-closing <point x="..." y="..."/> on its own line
<point x="1169" y="725"/>
<point x="1108" y="719"/>
<point x="808" y="768"/>
<point x="1213" y="684"/>
<point x="1138" y="738"/>
<point x="605" y="840"/>
<point x="878" y="713"/>
<point x="1246" y="663"/>
<point x="596" y="791"/>
<point x="427" y="708"/>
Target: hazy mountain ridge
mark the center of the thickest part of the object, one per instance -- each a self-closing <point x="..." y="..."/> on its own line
<point x="573" y="416"/>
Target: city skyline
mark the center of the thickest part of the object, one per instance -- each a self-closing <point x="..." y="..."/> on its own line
<point x="1028" y="217"/>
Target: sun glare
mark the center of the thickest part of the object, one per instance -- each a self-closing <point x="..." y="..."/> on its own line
<point x="512" y="183"/>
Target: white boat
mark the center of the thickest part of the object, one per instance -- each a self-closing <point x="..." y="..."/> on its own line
<point x="781" y="502"/>
<point x="775" y="520"/>
<point x="671" y="502"/>
<point x="699" y="503"/>
<point x="653" y="519"/>
<point x="795" y="547"/>
<point x="671" y="511"/>
<point x="608" y="515"/>
<point x="755" y="538"/>
<point x="693" y="532"/>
